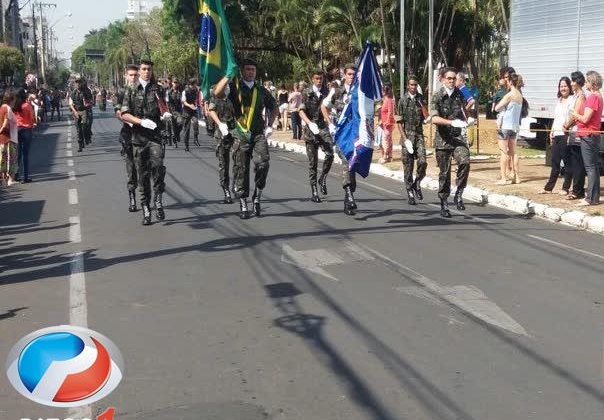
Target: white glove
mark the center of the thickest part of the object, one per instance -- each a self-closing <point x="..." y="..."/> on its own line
<point x="314" y="128"/>
<point x="148" y="124"/>
<point x="224" y="129"/>
<point x="166" y="116"/>
<point x="268" y="131"/>
<point x="459" y="124"/>
<point x="409" y="146"/>
<point x="427" y="120"/>
<point x="471" y="121"/>
<point x="332" y="129"/>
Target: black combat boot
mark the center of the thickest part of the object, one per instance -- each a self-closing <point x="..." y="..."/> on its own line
<point x="349" y="204"/>
<point x="146" y="214"/>
<point x="458" y="200"/>
<point x="256" y="200"/>
<point x="418" y="191"/>
<point x="227" y="196"/>
<point x="315" y="194"/>
<point x="444" y="208"/>
<point x="323" y="184"/>
<point x="243" y="211"/>
<point x="159" y="208"/>
<point x="132" y="197"/>
<point x="411" y="197"/>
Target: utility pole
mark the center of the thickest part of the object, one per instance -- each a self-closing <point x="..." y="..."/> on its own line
<point x="402" y="46"/>
<point x="33" y="19"/>
<point x="16" y="32"/>
<point x="41" y="5"/>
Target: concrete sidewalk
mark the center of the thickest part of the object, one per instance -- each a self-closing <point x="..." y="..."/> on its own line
<point x="520" y="198"/>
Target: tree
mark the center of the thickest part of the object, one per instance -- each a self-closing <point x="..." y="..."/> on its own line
<point x="12" y="63"/>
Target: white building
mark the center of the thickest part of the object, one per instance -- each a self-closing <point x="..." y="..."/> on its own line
<point x="139" y="8"/>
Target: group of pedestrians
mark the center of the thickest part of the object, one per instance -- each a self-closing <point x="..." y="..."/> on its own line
<point x="575" y="138"/>
<point x="17" y="121"/>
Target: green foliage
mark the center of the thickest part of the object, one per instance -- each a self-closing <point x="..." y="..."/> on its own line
<point x="12" y="63"/>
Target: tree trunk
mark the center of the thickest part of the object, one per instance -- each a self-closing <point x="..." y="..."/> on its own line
<point x="383" y="17"/>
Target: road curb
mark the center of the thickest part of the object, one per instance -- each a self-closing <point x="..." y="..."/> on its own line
<point x="519" y="205"/>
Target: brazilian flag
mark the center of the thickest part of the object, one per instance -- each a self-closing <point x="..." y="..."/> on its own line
<point x="216" y="54"/>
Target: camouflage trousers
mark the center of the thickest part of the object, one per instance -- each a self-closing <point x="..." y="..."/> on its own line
<point x="128" y="153"/>
<point x="349" y="178"/>
<point x="84" y="127"/>
<point x="461" y="154"/>
<point x="189" y="121"/>
<point x="149" y="162"/>
<point x="223" y="153"/>
<point x="323" y="141"/>
<point x="244" y="152"/>
<point x="409" y="159"/>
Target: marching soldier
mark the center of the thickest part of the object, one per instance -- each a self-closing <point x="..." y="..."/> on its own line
<point x="249" y="99"/>
<point x="316" y="133"/>
<point x="411" y="112"/>
<point x="222" y="113"/>
<point x="80" y="103"/>
<point x="126" y="138"/>
<point x="338" y="100"/>
<point x="190" y="98"/>
<point x="103" y="101"/>
<point x="447" y="112"/>
<point x="145" y="108"/>
<point x="175" y="108"/>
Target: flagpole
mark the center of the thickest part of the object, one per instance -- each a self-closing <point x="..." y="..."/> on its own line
<point x="430" y="52"/>
<point x="402" y="49"/>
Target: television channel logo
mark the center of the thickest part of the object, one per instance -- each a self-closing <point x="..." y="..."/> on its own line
<point x="64" y="366"/>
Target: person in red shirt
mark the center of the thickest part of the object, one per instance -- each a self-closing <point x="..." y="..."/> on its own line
<point x="589" y="117"/>
<point x="8" y="138"/>
<point x="26" y="121"/>
<point x="387" y="124"/>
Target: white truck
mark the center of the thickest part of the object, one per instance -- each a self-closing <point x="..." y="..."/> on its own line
<point x="550" y="39"/>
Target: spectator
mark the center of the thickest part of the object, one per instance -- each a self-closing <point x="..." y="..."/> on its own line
<point x="558" y="140"/>
<point x="8" y="138"/>
<point x="460" y="83"/>
<point x="387" y="124"/>
<point x="511" y="107"/>
<point x="283" y="100"/>
<point x="26" y="121"/>
<point x="577" y="166"/>
<point x="589" y="117"/>
<point x="295" y="100"/>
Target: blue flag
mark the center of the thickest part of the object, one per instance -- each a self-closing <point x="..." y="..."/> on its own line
<point x="355" y="133"/>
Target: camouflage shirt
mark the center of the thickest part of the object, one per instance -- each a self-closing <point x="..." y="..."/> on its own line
<point x="119" y="98"/>
<point x="339" y="100"/>
<point x="82" y="99"/>
<point x="225" y="110"/>
<point x="174" y="104"/>
<point x="409" y="113"/>
<point x="311" y="105"/>
<point x="143" y="103"/>
<point x="449" y="108"/>
<point x="241" y="98"/>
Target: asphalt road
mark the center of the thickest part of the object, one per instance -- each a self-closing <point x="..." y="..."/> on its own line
<point x="305" y="313"/>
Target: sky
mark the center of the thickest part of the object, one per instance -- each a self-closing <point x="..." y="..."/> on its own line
<point x="86" y="15"/>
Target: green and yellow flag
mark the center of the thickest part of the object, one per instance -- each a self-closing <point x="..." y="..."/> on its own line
<point x="216" y="54"/>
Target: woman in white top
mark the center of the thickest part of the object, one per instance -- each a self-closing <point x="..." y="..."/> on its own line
<point x="559" y="140"/>
<point x="8" y="138"/>
<point x="510" y="106"/>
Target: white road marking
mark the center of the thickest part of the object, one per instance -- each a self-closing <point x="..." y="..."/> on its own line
<point x="84" y="412"/>
<point x="73" y="196"/>
<point x="314" y="259"/>
<point x="72" y="175"/>
<point x="75" y="234"/>
<point x="68" y="145"/>
<point x="558" y="244"/>
<point x="69" y="153"/>
<point x="468" y="299"/>
<point x="287" y="159"/>
<point x="69" y="162"/>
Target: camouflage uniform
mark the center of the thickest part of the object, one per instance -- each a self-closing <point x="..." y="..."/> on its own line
<point x="147" y="144"/>
<point x="252" y="144"/>
<point x="226" y="113"/>
<point x="338" y="101"/>
<point x="174" y="124"/>
<point x="82" y="102"/>
<point x="311" y="105"/>
<point x="450" y="142"/>
<point x="126" y="142"/>
<point x="409" y="115"/>
<point x="190" y="116"/>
